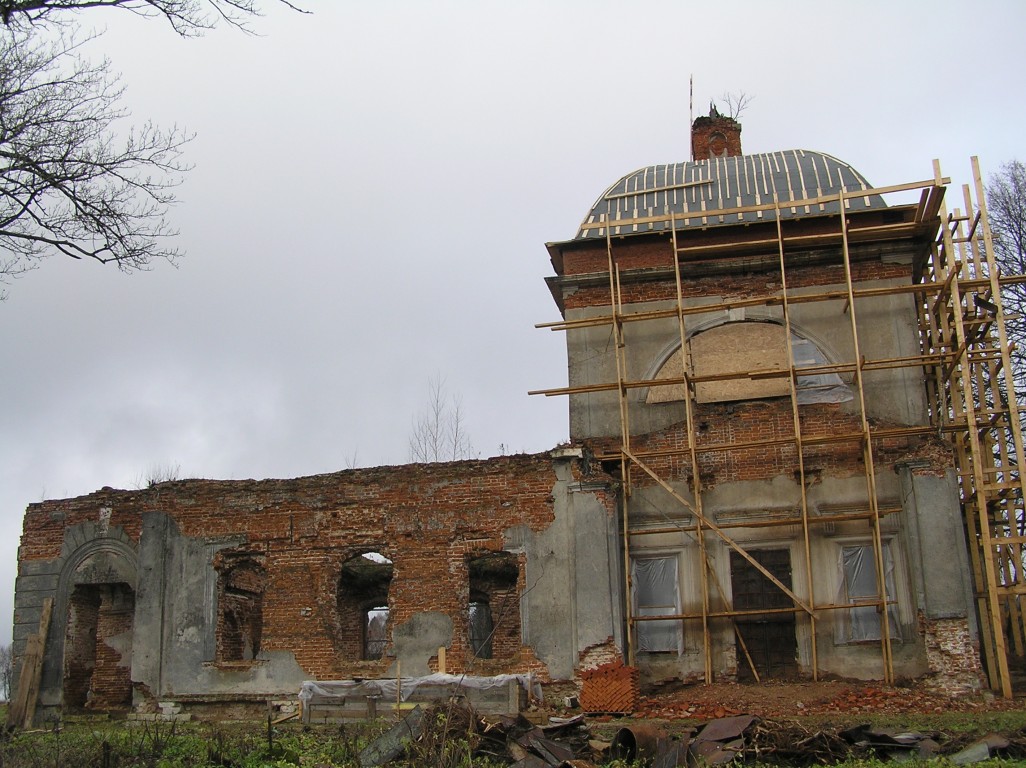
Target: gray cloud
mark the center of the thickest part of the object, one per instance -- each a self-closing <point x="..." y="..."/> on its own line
<point x="372" y="190"/>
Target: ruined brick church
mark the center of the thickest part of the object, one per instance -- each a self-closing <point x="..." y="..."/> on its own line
<point x="758" y="485"/>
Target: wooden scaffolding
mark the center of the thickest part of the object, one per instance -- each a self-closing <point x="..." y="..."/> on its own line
<point x="964" y="358"/>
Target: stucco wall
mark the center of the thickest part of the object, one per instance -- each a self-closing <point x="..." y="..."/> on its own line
<point x="887" y="329"/>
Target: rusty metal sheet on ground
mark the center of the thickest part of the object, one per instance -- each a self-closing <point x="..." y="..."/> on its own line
<point x="725" y="728"/>
<point x="552" y="752"/>
<point x="979" y="750"/>
<point x="715" y="752"/>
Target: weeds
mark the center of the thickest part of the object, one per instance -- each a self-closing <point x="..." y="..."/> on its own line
<point x="190" y="745"/>
<point x="448" y="741"/>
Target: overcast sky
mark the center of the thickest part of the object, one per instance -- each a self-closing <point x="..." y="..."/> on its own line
<point x="372" y="191"/>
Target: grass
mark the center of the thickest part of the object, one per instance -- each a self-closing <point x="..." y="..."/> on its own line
<point x="954" y="723"/>
<point x="161" y="745"/>
<point x="116" y="744"/>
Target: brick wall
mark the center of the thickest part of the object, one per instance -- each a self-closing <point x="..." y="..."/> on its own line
<point x="951" y="650"/>
<point x="80" y="645"/>
<point x="427" y="519"/>
<point x="772" y="419"/>
<point x="500" y="586"/>
<point x="715" y="136"/>
<point x="96" y="665"/>
<point x="111" y="686"/>
<point x="653" y="254"/>
<point x="240" y="594"/>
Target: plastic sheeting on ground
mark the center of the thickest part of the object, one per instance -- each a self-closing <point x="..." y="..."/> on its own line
<point x="387" y="687"/>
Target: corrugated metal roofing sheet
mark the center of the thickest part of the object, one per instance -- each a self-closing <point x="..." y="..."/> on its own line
<point x="692" y="189"/>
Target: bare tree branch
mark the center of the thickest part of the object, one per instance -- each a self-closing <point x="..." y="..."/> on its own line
<point x="1006" y="208"/>
<point x="6" y="671"/>
<point x="69" y="183"/>
<point x="440" y="431"/>
<point x="1006" y="213"/>
<point x="736" y="103"/>
<point x="187" y="17"/>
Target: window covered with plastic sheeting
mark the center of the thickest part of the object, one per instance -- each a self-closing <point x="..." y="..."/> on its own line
<point x="823" y="387"/>
<point x="861" y="622"/>
<point x="655" y="591"/>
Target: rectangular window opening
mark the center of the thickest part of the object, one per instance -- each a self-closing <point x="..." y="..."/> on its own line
<point x="655" y="591"/>
<point x="861" y="622"/>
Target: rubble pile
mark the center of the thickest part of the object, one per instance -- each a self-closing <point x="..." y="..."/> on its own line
<point x="444" y="735"/>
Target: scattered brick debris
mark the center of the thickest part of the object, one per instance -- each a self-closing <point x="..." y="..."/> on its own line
<point x="680" y="724"/>
<point x="700" y="702"/>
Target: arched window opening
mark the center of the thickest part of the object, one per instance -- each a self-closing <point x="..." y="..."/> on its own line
<point x="717" y="144"/>
<point x="240" y="608"/>
<point x="728" y="351"/>
<point x="97" y="647"/>
<point x="493" y="612"/>
<point x="363" y="605"/>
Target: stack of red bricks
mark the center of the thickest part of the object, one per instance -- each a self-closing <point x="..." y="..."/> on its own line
<point x="610" y="687"/>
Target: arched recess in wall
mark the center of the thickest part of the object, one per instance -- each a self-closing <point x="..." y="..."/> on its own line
<point x="493" y="614"/>
<point x="758" y="346"/>
<point x="94" y="616"/>
<point x="363" y="610"/>
<point x="717" y="144"/>
<point x="241" y="582"/>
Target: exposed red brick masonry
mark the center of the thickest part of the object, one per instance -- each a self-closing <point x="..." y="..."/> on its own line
<point x="429" y="520"/>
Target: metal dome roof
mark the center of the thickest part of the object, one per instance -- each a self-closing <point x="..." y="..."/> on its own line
<point x="644" y="200"/>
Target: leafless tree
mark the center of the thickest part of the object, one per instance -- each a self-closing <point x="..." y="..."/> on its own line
<point x="1006" y="208"/>
<point x="73" y="181"/>
<point x="6" y="670"/>
<point x="187" y="17"/>
<point x="440" y="431"/>
<point x="69" y="182"/>
<point x="735" y="103"/>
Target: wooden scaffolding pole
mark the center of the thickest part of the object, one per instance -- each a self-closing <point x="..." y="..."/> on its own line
<point x="625" y="474"/>
<point x="696" y="475"/>
<point x="792" y="380"/>
<point x="964" y="353"/>
<point x="965" y="400"/>
<point x="870" y="470"/>
<point x="1017" y="519"/>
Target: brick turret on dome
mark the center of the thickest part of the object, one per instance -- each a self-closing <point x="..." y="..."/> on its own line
<point x="715" y="136"/>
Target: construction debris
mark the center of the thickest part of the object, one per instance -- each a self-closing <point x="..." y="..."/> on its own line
<point x="610" y="687"/>
<point x="393" y="742"/>
<point x="445" y="733"/>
